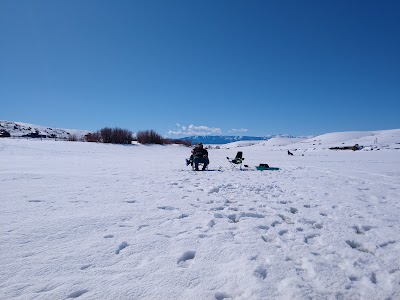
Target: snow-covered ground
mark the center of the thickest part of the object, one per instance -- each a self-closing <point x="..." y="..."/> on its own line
<point x="99" y="221"/>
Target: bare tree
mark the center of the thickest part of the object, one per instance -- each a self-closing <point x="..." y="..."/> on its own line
<point x="72" y="138"/>
<point x="149" y="137"/>
<point x="106" y="135"/>
<point x="121" y="136"/>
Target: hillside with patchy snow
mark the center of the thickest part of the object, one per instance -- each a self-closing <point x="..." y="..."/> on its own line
<point x="19" y="129"/>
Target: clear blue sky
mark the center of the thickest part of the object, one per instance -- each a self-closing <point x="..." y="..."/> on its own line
<point x="224" y="67"/>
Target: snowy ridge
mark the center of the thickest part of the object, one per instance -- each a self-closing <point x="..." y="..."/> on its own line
<point x="388" y="139"/>
<point x="369" y="140"/>
<point x="19" y="129"/>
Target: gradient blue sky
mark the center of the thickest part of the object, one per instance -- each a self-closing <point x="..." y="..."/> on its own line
<point x="212" y="67"/>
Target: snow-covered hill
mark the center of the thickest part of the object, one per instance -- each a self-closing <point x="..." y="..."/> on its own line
<point x="367" y="140"/>
<point x="19" y="129"/>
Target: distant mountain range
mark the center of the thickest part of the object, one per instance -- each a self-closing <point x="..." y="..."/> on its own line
<point x="225" y="139"/>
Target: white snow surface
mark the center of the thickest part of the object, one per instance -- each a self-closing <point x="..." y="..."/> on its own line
<point x="100" y="221"/>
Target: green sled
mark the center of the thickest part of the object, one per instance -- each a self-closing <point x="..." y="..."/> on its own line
<point x="266" y="169"/>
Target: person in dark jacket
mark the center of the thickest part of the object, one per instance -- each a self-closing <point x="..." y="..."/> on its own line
<point x="200" y="155"/>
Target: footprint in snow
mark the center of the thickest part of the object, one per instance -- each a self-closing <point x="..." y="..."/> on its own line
<point x="261" y="228"/>
<point x="265" y="239"/>
<point x="282" y="232"/>
<point x="217" y="208"/>
<point x="221" y="296"/>
<point x="383" y="245"/>
<point x="363" y="229"/>
<point x="260" y="272"/>
<point x="233" y="218"/>
<point x="359" y="247"/>
<point x="77" y="293"/>
<point x="214" y="189"/>
<point x="142" y="226"/>
<point x="122" y="246"/>
<point x="85" y="267"/>
<point x="166" y="207"/>
<point x="372" y="277"/>
<point x="318" y="225"/>
<point x="184" y="260"/>
<point x="211" y="224"/>
<point x="251" y="215"/>
<point x="308" y="238"/>
<point x="275" y="223"/>
<point x="287" y="220"/>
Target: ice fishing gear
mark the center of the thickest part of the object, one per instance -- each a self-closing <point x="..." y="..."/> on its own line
<point x="237" y="161"/>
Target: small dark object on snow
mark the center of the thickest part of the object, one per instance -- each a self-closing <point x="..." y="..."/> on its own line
<point x="354" y="148"/>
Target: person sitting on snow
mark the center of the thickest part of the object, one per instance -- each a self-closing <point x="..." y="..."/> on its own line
<point x="200" y="155"/>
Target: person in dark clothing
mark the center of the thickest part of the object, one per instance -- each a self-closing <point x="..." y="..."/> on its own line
<point x="200" y="155"/>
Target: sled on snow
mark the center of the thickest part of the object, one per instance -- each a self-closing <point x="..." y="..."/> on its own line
<point x="266" y="167"/>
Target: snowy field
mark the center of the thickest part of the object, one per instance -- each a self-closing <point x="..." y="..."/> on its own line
<point x="99" y="221"/>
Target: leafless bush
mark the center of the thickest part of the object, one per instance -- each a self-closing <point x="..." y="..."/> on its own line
<point x="106" y="135"/>
<point x="110" y="135"/>
<point x="121" y="136"/>
<point x="116" y="135"/>
<point x="149" y="137"/>
<point x="72" y="138"/>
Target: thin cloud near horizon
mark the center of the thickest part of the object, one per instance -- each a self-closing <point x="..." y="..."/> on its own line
<point x="202" y="130"/>
<point x="194" y="130"/>
<point x="238" y="130"/>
